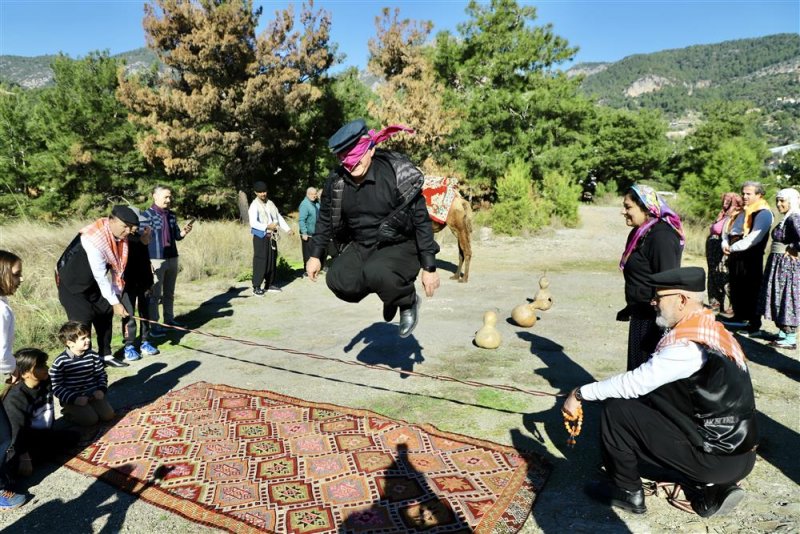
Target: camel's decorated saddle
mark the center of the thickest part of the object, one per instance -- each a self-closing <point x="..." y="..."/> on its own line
<point x="439" y="193"/>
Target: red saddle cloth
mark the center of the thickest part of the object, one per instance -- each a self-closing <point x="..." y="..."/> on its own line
<point x="439" y="193"/>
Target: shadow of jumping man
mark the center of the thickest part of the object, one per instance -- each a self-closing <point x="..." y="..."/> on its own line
<point x="418" y="506"/>
<point x="385" y="347"/>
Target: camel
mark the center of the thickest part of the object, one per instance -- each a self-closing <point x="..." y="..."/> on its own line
<point x="459" y="220"/>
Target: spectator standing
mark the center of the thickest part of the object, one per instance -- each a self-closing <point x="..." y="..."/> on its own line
<point x="309" y="212"/>
<point x="10" y="279"/>
<point x="264" y="223"/>
<point x="655" y="244"/>
<point x="780" y="293"/>
<point x="163" y="248"/>
<point x="744" y="244"/>
<point x="138" y="284"/>
<point x="84" y="289"/>
<point x="79" y="380"/>
<point x="717" y="268"/>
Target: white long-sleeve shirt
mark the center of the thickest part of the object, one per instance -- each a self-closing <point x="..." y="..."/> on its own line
<point x="7" y="361"/>
<point x="759" y="231"/>
<point x="672" y="363"/>
<point x="100" y="272"/>
<point x="256" y="221"/>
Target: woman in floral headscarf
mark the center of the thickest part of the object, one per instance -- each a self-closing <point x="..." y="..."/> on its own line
<point x="654" y="244"/>
<point x="717" y="271"/>
<point x="780" y="292"/>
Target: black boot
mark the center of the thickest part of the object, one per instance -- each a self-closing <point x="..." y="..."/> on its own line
<point x="389" y="311"/>
<point x="408" y="317"/>
<point x="718" y="500"/>
<point x="609" y="494"/>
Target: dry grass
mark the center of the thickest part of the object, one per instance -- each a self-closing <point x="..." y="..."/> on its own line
<point x="213" y="250"/>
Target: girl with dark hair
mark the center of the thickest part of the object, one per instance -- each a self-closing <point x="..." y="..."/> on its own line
<point x="30" y="410"/>
<point x="10" y="279"/>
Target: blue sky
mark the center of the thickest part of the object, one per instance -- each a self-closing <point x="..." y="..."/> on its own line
<point x="604" y="30"/>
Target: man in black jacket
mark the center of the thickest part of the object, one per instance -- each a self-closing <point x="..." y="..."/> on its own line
<point x="373" y="209"/>
<point x="690" y="408"/>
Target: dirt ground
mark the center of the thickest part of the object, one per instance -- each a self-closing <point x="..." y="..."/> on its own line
<point x="575" y="342"/>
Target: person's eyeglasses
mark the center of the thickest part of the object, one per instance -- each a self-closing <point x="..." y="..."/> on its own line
<point x="657" y="298"/>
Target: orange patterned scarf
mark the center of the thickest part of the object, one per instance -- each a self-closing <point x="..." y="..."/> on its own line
<point x="114" y="251"/>
<point x="749" y="212"/>
<point x="703" y="328"/>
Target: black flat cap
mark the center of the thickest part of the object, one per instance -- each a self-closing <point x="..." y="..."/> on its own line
<point x="347" y="135"/>
<point x="260" y="187"/>
<point x="685" y="278"/>
<point x="125" y="214"/>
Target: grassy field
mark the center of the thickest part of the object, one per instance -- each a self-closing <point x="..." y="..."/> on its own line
<point x="220" y="250"/>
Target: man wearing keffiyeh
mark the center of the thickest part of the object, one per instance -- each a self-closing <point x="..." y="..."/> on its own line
<point x="373" y="210"/>
<point x="85" y="290"/>
<point x="689" y="409"/>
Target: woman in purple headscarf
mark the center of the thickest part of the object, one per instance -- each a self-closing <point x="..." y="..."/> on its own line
<point x="654" y="244"/>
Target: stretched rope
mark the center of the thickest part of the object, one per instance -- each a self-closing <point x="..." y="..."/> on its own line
<point x="443" y="378"/>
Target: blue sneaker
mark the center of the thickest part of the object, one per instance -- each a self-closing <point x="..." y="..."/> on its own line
<point x="131" y="354"/>
<point x="148" y="350"/>
<point x="10" y="500"/>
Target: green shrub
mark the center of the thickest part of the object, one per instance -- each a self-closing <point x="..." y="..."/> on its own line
<point x="563" y="194"/>
<point x="517" y="210"/>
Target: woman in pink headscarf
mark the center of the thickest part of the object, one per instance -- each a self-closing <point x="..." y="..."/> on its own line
<point x="655" y="244"/>
<point x="717" y="270"/>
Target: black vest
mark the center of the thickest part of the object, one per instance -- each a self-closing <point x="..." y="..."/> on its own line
<point x="73" y="273"/>
<point x="714" y="407"/>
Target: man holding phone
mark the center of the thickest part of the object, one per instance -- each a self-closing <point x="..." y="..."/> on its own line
<point x="163" y="248"/>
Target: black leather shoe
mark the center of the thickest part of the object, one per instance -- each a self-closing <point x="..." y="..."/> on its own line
<point x="389" y="311"/>
<point x="609" y="494"/>
<point x="718" y="500"/>
<point x="408" y="318"/>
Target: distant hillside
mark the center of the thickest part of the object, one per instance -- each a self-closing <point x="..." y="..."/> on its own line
<point x="35" y="72"/>
<point x="764" y="71"/>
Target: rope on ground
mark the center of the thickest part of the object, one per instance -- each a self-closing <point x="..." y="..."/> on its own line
<point x="443" y="378"/>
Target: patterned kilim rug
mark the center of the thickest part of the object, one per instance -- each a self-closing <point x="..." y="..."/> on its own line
<point x="254" y="461"/>
<point x="439" y="195"/>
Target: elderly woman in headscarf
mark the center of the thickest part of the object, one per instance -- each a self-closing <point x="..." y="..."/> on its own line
<point x="655" y="244"/>
<point x="780" y="291"/>
<point x="717" y="270"/>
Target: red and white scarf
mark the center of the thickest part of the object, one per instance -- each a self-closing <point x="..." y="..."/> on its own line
<point x="114" y="251"/>
<point x="702" y="328"/>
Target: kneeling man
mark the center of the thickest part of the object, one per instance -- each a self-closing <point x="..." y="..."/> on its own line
<point x="690" y="408"/>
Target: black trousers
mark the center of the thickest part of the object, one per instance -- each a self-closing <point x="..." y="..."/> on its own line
<point x="265" y="261"/>
<point x="388" y="271"/>
<point x="93" y="310"/>
<point x="631" y="430"/>
<point x="45" y="445"/>
<point x="133" y="301"/>
<point x="306" y="247"/>
<point x="5" y="443"/>
<point x="745" y="273"/>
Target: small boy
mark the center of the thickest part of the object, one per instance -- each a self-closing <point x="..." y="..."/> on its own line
<point x="29" y="406"/>
<point x="79" y="379"/>
<point x="138" y="283"/>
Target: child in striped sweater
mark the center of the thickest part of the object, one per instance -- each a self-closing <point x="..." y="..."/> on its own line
<point x="79" y="378"/>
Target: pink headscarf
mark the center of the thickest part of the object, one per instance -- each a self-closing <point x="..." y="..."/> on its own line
<point x="658" y="211"/>
<point x="350" y="158"/>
